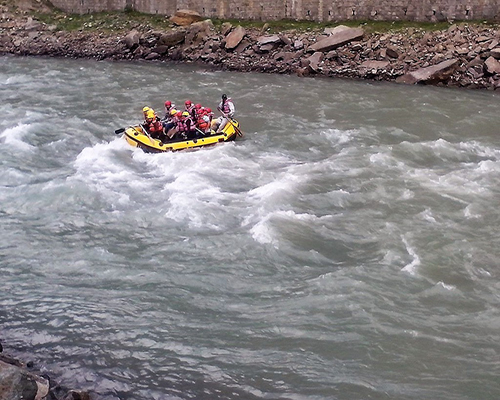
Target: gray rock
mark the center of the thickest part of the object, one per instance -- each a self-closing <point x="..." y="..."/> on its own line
<point x="337" y="39"/>
<point x="226" y="28"/>
<point x="152" y="56"/>
<point x="315" y="60"/>
<point x="495" y="53"/>
<point x="263" y="40"/>
<point x="185" y="17"/>
<point x="32" y="25"/>
<point x="172" y="38"/>
<point x="392" y="52"/>
<point x="286" y="40"/>
<point x="132" y="39"/>
<point x="244" y="44"/>
<point x="298" y="45"/>
<point x="235" y="37"/>
<point x="374" y="65"/>
<point x="492" y="66"/>
<point x="266" y="48"/>
<point x="432" y="75"/>
<point x="160" y="49"/>
<point x="337" y="29"/>
<point x="17" y="383"/>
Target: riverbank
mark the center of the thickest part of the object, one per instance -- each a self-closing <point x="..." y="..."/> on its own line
<point x="22" y="380"/>
<point x="457" y="55"/>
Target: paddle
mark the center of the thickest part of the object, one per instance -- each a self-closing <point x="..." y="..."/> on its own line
<point x="147" y="134"/>
<point x="200" y="131"/>
<point x="238" y="131"/>
<point x="121" y="130"/>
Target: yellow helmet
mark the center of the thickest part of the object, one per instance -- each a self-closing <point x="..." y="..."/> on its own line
<point x="146" y="109"/>
<point x="150" y="114"/>
<point x="173" y="111"/>
<point x="185" y="114"/>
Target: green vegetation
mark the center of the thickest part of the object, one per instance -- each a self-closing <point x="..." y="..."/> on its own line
<point x="128" y="19"/>
<point x="103" y="21"/>
<point x="368" y="26"/>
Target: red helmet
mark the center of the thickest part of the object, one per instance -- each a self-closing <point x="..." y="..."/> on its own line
<point x="208" y="110"/>
<point x="168" y="103"/>
<point x="197" y="106"/>
<point x="188" y="102"/>
<point x="179" y="114"/>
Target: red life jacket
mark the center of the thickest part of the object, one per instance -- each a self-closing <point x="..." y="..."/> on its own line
<point x="202" y="123"/>
<point x="154" y="126"/>
<point x="182" y="125"/>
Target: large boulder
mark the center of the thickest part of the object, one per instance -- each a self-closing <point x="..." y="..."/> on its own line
<point x="199" y="31"/>
<point x="273" y="39"/>
<point x="432" y="75"/>
<point x="492" y="66"/>
<point x="315" y="60"/>
<point x="495" y="53"/>
<point x="185" y="17"/>
<point x="336" y="39"/>
<point x="235" y="37"/>
<point x="132" y="39"/>
<point x="172" y="38"/>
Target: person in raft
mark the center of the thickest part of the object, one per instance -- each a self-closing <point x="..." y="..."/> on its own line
<point x="153" y="126"/>
<point x="226" y="107"/>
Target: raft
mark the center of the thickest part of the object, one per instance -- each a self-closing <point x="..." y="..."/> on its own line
<point x="136" y="137"/>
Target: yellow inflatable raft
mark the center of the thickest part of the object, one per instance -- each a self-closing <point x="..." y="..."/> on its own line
<point x="136" y="137"/>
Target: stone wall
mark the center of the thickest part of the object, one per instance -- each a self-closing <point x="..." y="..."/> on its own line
<point x="314" y="10"/>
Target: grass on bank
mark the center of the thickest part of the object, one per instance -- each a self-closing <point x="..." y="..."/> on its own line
<point x="126" y="20"/>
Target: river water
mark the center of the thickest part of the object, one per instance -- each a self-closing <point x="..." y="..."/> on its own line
<point x="346" y="248"/>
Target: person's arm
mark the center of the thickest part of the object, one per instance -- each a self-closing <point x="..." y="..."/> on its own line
<point x="231" y="109"/>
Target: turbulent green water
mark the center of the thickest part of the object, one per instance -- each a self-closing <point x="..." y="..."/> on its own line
<point x="346" y="248"/>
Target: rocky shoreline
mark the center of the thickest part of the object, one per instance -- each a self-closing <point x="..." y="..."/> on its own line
<point x="21" y="380"/>
<point x="463" y="55"/>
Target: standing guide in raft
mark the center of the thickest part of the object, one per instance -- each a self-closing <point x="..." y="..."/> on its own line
<point x="226" y="107"/>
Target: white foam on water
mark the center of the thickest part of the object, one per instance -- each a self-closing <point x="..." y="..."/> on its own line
<point x="445" y="286"/>
<point x="16" y="79"/>
<point x="97" y="167"/>
<point x="282" y="184"/>
<point x="191" y="198"/>
<point x="14" y="137"/>
<point x="96" y="159"/>
<point x="469" y="212"/>
<point x="489" y="166"/>
<point x="264" y="233"/>
<point x="455" y="184"/>
<point x="337" y="136"/>
<point x="477" y="148"/>
<point x="339" y="198"/>
<point x="407" y="194"/>
<point x="193" y="187"/>
<point x="426" y="215"/>
<point x="412" y="266"/>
